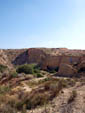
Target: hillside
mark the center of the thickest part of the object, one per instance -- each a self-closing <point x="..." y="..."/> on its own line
<point x="42" y="80"/>
<point x="45" y="57"/>
<point x="14" y="55"/>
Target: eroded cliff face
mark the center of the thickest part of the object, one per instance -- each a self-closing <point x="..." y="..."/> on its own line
<point x="36" y="55"/>
<point x="15" y="56"/>
<point x="47" y="58"/>
<point x="3" y="58"/>
<point x="11" y="57"/>
<point x="52" y="58"/>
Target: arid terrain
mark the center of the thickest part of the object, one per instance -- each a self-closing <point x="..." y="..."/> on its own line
<point x="42" y="80"/>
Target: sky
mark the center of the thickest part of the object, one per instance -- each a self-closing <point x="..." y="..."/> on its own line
<point x="42" y="23"/>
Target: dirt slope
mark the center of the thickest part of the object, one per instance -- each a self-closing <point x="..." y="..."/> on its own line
<point x="60" y="104"/>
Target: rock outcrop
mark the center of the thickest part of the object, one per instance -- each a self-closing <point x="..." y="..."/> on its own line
<point x="36" y="55"/>
<point x="4" y="59"/>
<point x="56" y="61"/>
<point x="45" y="57"/>
<point x="66" y="70"/>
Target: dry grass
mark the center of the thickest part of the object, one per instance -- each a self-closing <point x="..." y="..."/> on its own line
<point x="46" y="90"/>
<point x="72" y="96"/>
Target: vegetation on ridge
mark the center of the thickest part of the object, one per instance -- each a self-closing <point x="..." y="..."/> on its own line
<point x="2" y="68"/>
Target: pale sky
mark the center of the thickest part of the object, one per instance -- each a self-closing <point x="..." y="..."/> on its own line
<point x="42" y="23"/>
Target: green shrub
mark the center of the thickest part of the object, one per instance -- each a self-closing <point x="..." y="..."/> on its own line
<point x="4" y="89"/>
<point x="36" y="70"/>
<point x="47" y="79"/>
<point x="37" y="100"/>
<point x="38" y="75"/>
<point x="2" y="68"/>
<point x="26" y="68"/>
<point x="72" y="97"/>
<point x="67" y="82"/>
<point x="14" y="74"/>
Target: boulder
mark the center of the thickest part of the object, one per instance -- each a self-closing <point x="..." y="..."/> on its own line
<point x="66" y="70"/>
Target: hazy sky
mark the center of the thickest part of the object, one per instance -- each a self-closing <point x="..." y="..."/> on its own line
<point x="42" y="23"/>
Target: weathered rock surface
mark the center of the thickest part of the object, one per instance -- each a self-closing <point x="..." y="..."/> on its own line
<point x="54" y="57"/>
<point x="66" y="70"/>
<point x="36" y="55"/>
<point x="82" y="64"/>
<point x="46" y="57"/>
<point x="4" y="59"/>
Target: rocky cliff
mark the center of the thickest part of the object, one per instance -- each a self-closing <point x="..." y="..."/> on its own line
<point x="52" y="58"/>
<point x="46" y="57"/>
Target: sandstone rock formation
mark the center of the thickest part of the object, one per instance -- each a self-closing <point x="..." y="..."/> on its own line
<point x="56" y="61"/>
<point x="16" y="56"/>
<point x="66" y="69"/>
<point x="45" y="57"/>
<point x="4" y="59"/>
<point x="54" y="57"/>
<point x="36" y="55"/>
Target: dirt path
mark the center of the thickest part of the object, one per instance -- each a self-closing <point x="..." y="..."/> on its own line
<point x="26" y="87"/>
<point x="29" y="89"/>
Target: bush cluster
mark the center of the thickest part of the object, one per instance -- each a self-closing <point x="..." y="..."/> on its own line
<point x="2" y="68"/>
<point x="29" y="69"/>
<point x="72" y="96"/>
<point x="26" y="68"/>
<point x="13" y="74"/>
<point x="4" y="89"/>
<point x="38" y="75"/>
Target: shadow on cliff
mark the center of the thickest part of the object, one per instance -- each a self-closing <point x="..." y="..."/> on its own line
<point x="21" y="59"/>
